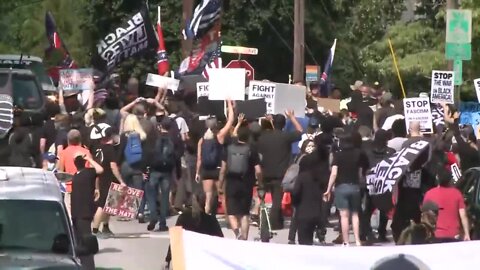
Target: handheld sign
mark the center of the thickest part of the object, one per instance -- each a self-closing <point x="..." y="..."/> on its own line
<point x="266" y="90"/>
<point x="456" y="174"/>
<point x="76" y="79"/>
<point x="123" y="201"/>
<point x="162" y="82"/>
<point x="418" y="110"/>
<point x="227" y="83"/>
<point x="290" y="97"/>
<point x="477" y="88"/>
<point x="202" y="89"/>
<point x="442" y="87"/>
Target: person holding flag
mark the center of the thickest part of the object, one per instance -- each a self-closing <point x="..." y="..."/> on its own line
<point x="324" y="79"/>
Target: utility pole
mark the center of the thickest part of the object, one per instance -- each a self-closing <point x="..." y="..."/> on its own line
<point x="186" y="15"/>
<point x="299" y="41"/>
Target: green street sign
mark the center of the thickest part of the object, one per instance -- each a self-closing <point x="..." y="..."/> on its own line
<point x="457" y="69"/>
<point x="455" y="51"/>
<point x="459" y="26"/>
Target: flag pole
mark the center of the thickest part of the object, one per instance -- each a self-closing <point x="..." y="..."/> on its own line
<point x="158" y="16"/>
<point x="396" y="67"/>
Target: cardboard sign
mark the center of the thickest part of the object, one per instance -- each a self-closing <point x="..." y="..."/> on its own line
<point x="329" y="104"/>
<point x="477" y="88"/>
<point x="290" y="97"/>
<point x="162" y="82"/>
<point x="76" y="79"/>
<point x="263" y="90"/>
<point x="123" y="201"/>
<point x="442" y="87"/>
<point x="252" y="109"/>
<point x="227" y="83"/>
<point x="202" y="89"/>
<point x="418" y="109"/>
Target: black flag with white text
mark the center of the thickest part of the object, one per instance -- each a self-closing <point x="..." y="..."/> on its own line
<point x="132" y="38"/>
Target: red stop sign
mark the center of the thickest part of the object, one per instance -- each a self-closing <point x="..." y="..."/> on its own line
<point x="243" y="64"/>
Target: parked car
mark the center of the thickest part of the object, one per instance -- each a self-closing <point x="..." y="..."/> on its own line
<point x="469" y="185"/>
<point x="35" y="231"/>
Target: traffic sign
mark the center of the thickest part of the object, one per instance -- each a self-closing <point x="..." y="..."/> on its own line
<point x="243" y="64"/>
<point x="459" y="26"/>
<point x="239" y="50"/>
<point x="458" y="51"/>
<point x="457" y="69"/>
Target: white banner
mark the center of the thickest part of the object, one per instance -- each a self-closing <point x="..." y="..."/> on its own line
<point x="202" y="89"/>
<point x="208" y="252"/>
<point x="418" y="110"/>
<point x="76" y="79"/>
<point x="227" y="83"/>
<point x="477" y="88"/>
<point x="162" y="82"/>
<point x="264" y="90"/>
<point x="442" y="87"/>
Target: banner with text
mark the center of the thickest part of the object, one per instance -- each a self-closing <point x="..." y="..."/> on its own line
<point x="418" y="110"/>
<point x="132" y="38"/>
<point x="198" y="251"/>
<point x="442" y="87"/>
<point x="123" y="201"/>
<point x="76" y="79"/>
<point x="266" y="90"/>
<point x="202" y="89"/>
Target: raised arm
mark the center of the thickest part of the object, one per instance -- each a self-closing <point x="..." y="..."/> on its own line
<point x="231" y="118"/>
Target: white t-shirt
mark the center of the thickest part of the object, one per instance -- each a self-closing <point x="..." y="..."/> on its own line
<point x="181" y="123"/>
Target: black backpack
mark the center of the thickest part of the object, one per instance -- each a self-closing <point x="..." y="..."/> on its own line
<point x="164" y="155"/>
<point x="211" y="154"/>
<point x="238" y="156"/>
<point x="21" y="151"/>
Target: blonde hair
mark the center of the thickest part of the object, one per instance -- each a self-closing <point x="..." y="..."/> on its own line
<point x="131" y="124"/>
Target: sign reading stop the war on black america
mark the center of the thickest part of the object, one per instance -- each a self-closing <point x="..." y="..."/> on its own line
<point x="418" y="110"/>
<point x="442" y="87"/>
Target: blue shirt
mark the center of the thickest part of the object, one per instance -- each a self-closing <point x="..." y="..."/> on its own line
<point x="290" y="127"/>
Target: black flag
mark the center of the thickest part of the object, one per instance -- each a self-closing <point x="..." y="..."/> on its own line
<point x="132" y="38"/>
<point x="6" y="107"/>
<point x="382" y="178"/>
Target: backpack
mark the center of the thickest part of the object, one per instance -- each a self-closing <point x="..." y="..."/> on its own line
<point x="291" y="175"/>
<point x="20" y="154"/>
<point x="164" y="157"/>
<point x="210" y="154"/>
<point x="237" y="159"/>
<point x="177" y="138"/>
<point x="133" y="149"/>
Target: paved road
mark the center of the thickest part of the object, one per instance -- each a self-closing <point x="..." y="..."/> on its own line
<point x="135" y="248"/>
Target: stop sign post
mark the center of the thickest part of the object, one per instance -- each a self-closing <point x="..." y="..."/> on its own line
<point x="243" y="64"/>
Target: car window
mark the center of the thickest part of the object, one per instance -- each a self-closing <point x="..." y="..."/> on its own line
<point x="31" y="225"/>
<point x="26" y="91"/>
<point x="36" y="67"/>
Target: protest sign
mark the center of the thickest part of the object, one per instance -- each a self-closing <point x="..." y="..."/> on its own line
<point x="227" y="83"/>
<point x="418" y="110"/>
<point x="206" y="107"/>
<point x="123" y="201"/>
<point x="290" y="97"/>
<point x="188" y="83"/>
<point x="329" y="104"/>
<point x="265" y="90"/>
<point x="252" y="109"/>
<point x="162" y="82"/>
<point x="456" y="173"/>
<point x="202" y="89"/>
<point x="76" y="79"/>
<point x="133" y="37"/>
<point x="477" y="88"/>
<point x="442" y="87"/>
<point x="470" y="115"/>
<point x="438" y="115"/>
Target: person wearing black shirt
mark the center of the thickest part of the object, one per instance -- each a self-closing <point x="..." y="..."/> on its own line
<point x="239" y="187"/>
<point x="84" y="193"/>
<point x="275" y="146"/>
<point x="348" y="166"/>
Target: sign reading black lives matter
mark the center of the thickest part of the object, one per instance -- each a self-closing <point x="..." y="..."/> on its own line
<point x="442" y="87"/>
<point x="382" y="178"/>
<point x="132" y="38"/>
<point x="418" y="110"/>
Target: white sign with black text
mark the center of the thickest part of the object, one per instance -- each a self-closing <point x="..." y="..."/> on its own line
<point x="202" y="89"/>
<point x="476" y="82"/>
<point x="418" y="110"/>
<point x="442" y="87"/>
<point x="264" y="90"/>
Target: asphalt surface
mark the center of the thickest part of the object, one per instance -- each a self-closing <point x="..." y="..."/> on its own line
<point x="133" y="247"/>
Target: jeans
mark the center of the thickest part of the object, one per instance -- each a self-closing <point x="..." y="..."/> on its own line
<point x="134" y="179"/>
<point x="158" y="181"/>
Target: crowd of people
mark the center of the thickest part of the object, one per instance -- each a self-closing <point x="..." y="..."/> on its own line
<point x="157" y="143"/>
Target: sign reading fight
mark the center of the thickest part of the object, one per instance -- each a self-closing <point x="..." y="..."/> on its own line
<point x="442" y="87"/>
<point x="76" y="79"/>
<point x="123" y="201"/>
<point x="476" y="83"/>
<point x="133" y="37"/>
<point x="418" y="110"/>
<point x="264" y="90"/>
<point x="202" y="89"/>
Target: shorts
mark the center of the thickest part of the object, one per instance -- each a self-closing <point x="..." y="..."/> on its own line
<point x="210" y="174"/>
<point x="347" y="197"/>
<point x="239" y="196"/>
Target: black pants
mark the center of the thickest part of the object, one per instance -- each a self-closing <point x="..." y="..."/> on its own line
<point x="292" y="231"/>
<point x="275" y="188"/>
<point x="83" y="227"/>
<point x="365" y="220"/>
<point x="305" y="230"/>
<point x="186" y="183"/>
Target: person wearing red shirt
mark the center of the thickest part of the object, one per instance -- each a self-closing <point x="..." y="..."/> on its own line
<point x="451" y="207"/>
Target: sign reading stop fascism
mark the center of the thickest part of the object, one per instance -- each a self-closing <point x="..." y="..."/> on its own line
<point x="418" y="110"/>
<point x="243" y="64"/>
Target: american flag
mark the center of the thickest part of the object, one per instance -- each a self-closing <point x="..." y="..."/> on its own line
<point x="204" y="18"/>
<point x="214" y="62"/>
<point x="324" y="79"/>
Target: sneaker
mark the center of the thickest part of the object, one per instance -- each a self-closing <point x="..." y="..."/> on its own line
<point x="382" y="239"/>
<point x="162" y="229"/>
<point x="345" y="244"/>
<point x="254" y="220"/>
<point x="108" y="232"/>
<point x="338" y="240"/>
<point x="151" y="226"/>
<point x="291" y="242"/>
<point x="141" y="219"/>
<point x="101" y="235"/>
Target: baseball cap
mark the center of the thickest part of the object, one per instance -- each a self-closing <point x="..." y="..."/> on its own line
<point x="400" y="262"/>
<point x="50" y="157"/>
<point x="356" y="85"/>
<point x="430" y="206"/>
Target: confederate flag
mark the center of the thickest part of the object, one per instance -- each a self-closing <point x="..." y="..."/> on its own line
<point x="162" y="57"/>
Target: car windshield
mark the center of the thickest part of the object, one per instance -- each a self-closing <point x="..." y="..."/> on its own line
<point x="26" y="92"/>
<point x="32" y="225"/>
<point x="36" y="67"/>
